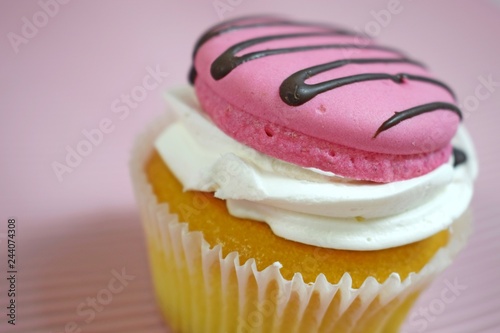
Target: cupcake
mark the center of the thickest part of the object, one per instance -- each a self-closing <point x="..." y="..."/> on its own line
<point x="308" y="180"/>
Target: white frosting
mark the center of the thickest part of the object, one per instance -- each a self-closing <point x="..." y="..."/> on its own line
<point x="305" y="204"/>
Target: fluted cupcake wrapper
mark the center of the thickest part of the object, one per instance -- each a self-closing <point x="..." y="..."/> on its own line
<point x="199" y="290"/>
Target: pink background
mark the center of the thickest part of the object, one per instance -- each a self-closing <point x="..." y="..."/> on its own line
<point x="72" y="234"/>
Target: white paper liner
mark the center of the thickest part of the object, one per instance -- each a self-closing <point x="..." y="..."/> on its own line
<point x="296" y="306"/>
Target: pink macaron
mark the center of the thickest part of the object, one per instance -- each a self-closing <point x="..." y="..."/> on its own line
<point x="324" y="97"/>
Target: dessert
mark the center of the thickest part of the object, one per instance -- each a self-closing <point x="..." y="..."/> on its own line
<point x="312" y="181"/>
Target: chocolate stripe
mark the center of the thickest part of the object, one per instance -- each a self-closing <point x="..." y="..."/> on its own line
<point x="459" y="157"/>
<point x="294" y="91"/>
<point x="230" y="26"/>
<point x="225" y="63"/>
<point x="415" y="111"/>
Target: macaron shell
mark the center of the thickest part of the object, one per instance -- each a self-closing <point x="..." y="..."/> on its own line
<point x="344" y="119"/>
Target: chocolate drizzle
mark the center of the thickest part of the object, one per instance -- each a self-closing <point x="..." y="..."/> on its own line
<point x="228" y="60"/>
<point x="459" y="156"/>
<point x="233" y="25"/>
<point x="399" y="116"/>
<point x="294" y="90"/>
<point x="262" y="22"/>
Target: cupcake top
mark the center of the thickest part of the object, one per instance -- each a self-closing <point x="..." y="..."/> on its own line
<point x="330" y="139"/>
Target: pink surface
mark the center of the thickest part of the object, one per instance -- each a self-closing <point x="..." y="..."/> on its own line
<point x="102" y="65"/>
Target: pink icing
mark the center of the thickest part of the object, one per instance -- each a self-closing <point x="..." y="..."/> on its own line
<point x="343" y="120"/>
